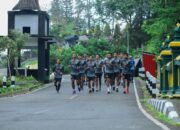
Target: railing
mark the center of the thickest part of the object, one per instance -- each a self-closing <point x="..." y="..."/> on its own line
<point x="142" y="72"/>
<point x="151" y="85"/>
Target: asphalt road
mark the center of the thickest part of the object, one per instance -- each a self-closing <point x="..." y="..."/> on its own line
<point x="47" y="110"/>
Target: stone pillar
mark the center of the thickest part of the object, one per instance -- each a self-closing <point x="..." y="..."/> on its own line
<point x="175" y="47"/>
<point x="41" y="60"/>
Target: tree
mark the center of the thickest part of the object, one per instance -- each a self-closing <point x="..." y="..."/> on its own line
<point x="99" y="46"/>
<point x="117" y="37"/>
<point x="107" y="30"/>
<point x="68" y="10"/>
<point x="13" y="44"/>
<point x="79" y="9"/>
<point x="100" y="9"/>
<point x="56" y="12"/>
<point x="164" y="16"/>
<point x="88" y="12"/>
<point x="97" y="31"/>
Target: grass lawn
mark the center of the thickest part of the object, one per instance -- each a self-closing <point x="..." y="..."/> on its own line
<point x="23" y="85"/>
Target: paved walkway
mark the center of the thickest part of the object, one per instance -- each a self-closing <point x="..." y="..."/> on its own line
<point x="47" y="110"/>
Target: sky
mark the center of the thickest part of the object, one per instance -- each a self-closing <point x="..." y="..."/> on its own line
<point x="7" y="5"/>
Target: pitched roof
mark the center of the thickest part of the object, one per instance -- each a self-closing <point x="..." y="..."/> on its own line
<point x="27" y="5"/>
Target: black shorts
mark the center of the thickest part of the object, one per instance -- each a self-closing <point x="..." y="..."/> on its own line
<point x="98" y="75"/>
<point x="90" y="78"/>
<point x="81" y="74"/>
<point x="127" y="76"/>
<point x="75" y="77"/>
<point x="109" y="75"/>
<point x="116" y="74"/>
<point x="57" y="79"/>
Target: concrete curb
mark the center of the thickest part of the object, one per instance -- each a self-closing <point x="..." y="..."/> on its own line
<point x="165" y="107"/>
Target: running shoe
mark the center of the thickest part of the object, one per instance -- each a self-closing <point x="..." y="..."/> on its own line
<point x="92" y="89"/>
<point x="117" y="90"/>
<point x="74" y="92"/>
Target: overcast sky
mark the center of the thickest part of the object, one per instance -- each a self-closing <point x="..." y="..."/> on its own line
<point x="7" y="5"/>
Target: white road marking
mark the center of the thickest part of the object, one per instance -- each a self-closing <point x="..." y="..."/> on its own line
<point x="40" y="112"/>
<point x="73" y="97"/>
<point x="161" y="125"/>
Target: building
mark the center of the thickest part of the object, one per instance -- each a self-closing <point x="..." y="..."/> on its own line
<point x="27" y="17"/>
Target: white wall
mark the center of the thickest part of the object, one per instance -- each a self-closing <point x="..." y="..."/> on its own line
<point x="27" y="20"/>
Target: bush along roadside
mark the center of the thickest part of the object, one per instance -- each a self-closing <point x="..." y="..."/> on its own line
<point x="22" y="85"/>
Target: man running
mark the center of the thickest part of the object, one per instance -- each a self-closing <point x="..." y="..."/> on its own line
<point x="85" y="58"/>
<point x="116" y="72"/>
<point x="132" y="67"/>
<point x="126" y="73"/>
<point x="98" y="72"/>
<point x="120" y="56"/>
<point x="91" y="74"/>
<point x="74" y="65"/>
<point x="58" y="71"/>
<point x="109" y="72"/>
<point x="82" y="68"/>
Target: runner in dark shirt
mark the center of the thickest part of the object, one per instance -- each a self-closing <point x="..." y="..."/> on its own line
<point x="74" y="66"/>
<point x="82" y="68"/>
<point x="132" y="67"/>
<point x="116" y="72"/>
<point x="98" y="72"/>
<point x="109" y="72"/>
<point x="58" y="72"/>
<point x="86" y="59"/>
<point x="91" y="74"/>
<point x="120" y="56"/>
<point x="126" y="73"/>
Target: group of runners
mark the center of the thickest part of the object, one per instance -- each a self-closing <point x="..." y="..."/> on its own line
<point x="117" y="70"/>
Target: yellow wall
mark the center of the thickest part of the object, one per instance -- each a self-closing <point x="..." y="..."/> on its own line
<point x="170" y="79"/>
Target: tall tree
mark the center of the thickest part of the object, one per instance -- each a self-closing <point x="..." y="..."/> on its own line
<point x="56" y="11"/>
<point x="79" y="18"/>
<point x="100" y="9"/>
<point x="68" y="10"/>
<point x="107" y="30"/>
<point x="117" y="37"/>
<point x="164" y="16"/>
<point x="14" y="43"/>
<point x="88" y="12"/>
<point x="97" y="31"/>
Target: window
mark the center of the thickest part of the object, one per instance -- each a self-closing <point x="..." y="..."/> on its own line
<point x="27" y="30"/>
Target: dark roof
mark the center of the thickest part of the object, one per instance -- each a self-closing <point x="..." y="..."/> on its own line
<point x="27" y="5"/>
<point x="71" y="37"/>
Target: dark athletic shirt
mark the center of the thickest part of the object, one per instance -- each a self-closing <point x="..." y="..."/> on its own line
<point x="99" y="64"/>
<point x="116" y="65"/>
<point x="126" y="66"/>
<point x="58" y="71"/>
<point x="82" y="66"/>
<point x="91" y="69"/>
<point x="109" y="65"/>
<point x="74" y="66"/>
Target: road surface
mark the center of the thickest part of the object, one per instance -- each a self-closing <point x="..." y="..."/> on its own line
<point x="47" y="110"/>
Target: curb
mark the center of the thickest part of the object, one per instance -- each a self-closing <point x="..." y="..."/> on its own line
<point x="165" y="107"/>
